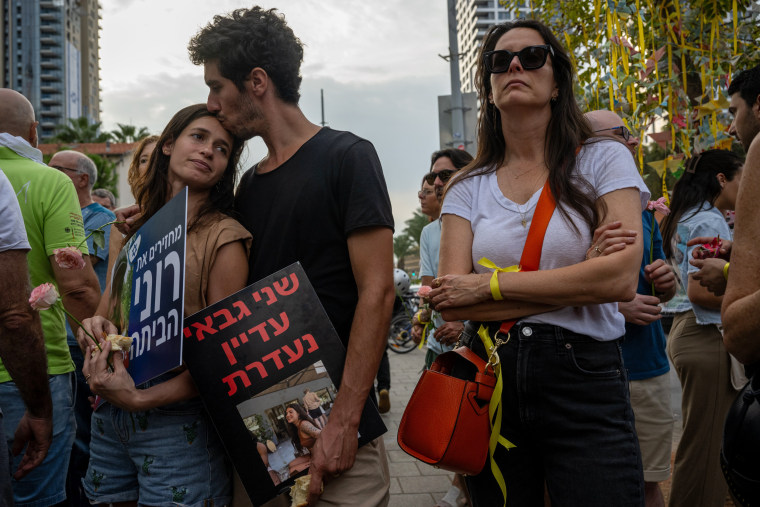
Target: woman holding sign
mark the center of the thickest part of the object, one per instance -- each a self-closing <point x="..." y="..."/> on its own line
<point x="154" y="443"/>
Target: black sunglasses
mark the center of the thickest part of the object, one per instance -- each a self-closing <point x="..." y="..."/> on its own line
<point x="444" y="175"/>
<point x="531" y="58"/>
<point x="619" y="131"/>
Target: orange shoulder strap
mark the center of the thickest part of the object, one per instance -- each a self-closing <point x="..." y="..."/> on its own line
<point x="531" y="256"/>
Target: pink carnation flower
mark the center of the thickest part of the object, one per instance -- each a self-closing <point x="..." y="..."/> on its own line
<point x="43" y="296"/>
<point x="659" y="205"/>
<point x="424" y="291"/>
<point x="69" y="258"/>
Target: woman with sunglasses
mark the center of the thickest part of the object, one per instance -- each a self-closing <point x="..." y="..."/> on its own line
<point x="565" y="394"/>
<point x="429" y="203"/>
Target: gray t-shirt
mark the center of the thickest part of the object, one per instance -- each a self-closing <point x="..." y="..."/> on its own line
<point x="12" y="231"/>
<point x="499" y="234"/>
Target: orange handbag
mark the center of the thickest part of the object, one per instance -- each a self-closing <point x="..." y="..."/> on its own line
<point x="446" y="421"/>
<point x="448" y="424"/>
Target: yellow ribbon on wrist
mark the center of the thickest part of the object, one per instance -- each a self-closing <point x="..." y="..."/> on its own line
<point x="494" y="282"/>
<point x="725" y="270"/>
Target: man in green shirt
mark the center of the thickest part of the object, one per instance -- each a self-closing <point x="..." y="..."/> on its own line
<point x="21" y="346"/>
<point x="52" y="218"/>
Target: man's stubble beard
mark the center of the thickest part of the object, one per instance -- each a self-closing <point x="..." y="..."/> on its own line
<point x="249" y="115"/>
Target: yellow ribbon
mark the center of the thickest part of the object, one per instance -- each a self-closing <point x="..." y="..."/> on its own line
<point x="734" y="16"/>
<point x="423" y="341"/>
<point x="494" y="283"/>
<point x="495" y="413"/>
<point x="425" y="326"/>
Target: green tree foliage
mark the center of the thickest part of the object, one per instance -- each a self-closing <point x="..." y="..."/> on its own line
<point x="402" y="246"/>
<point x="107" y="176"/>
<point x="663" y="65"/>
<point x="128" y="133"/>
<point x="80" y="130"/>
<point x="415" y="225"/>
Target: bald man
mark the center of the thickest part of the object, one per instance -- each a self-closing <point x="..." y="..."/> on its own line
<point x="52" y="219"/>
<point x="643" y="347"/>
<point x="84" y="174"/>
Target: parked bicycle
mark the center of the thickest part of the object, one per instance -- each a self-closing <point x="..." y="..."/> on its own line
<point x="404" y="308"/>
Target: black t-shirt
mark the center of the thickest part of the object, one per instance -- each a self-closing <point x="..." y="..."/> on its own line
<point x="305" y="209"/>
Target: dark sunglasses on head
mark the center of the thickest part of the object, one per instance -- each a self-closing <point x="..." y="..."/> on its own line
<point x="532" y="57"/>
<point x="621" y="131"/>
<point x="444" y="175"/>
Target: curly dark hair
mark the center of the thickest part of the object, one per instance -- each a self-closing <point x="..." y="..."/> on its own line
<point x="747" y="84"/>
<point x="250" y="38"/>
<point x="567" y="128"/>
<point x="698" y="185"/>
<point x="155" y="192"/>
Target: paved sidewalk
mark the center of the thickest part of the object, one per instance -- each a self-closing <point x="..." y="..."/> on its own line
<point x="413" y="484"/>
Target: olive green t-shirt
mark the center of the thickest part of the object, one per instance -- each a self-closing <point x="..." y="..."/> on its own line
<point x="53" y="219"/>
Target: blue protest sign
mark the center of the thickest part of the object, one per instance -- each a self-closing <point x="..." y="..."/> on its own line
<point x="148" y="291"/>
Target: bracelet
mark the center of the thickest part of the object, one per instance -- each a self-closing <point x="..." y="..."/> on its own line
<point x="725" y="270"/>
<point x="495" y="292"/>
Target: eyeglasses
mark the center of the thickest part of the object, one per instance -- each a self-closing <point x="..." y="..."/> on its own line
<point x="621" y="131"/>
<point x="444" y="175"/>
<point x="424" y="193"/>
<point x="531" y="58"/>
<point x="61" y="168"/>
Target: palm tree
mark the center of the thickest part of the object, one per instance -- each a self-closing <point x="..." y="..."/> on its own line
<point x="402" y="244"/>
<point x="129" y="133"/>
<point x="80" y="130"/>
<point x="415" y="224"/>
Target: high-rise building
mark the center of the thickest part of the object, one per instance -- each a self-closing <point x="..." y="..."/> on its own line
<point x="474" y="18"/>
<point x="50" y="54"/>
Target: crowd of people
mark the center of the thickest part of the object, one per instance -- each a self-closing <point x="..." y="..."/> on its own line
<point x="584" y="369"/>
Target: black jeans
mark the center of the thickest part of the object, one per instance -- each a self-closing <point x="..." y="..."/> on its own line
<point x="566" y="407"/>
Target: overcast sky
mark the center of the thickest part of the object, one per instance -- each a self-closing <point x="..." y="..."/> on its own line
<point x="376" y="61"/>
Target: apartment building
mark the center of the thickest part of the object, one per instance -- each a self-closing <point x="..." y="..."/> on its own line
<point x="50" y="53"/>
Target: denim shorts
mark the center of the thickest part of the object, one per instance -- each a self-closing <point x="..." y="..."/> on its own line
<point x="566" y="407"/>
<point x="163" y="457"/>
<point x="6" y="493"/>
<point x="46" y="484"/>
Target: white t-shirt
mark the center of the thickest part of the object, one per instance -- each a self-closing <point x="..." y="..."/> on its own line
<point x="12" y="231"/>
<point x="498" y="233"/>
